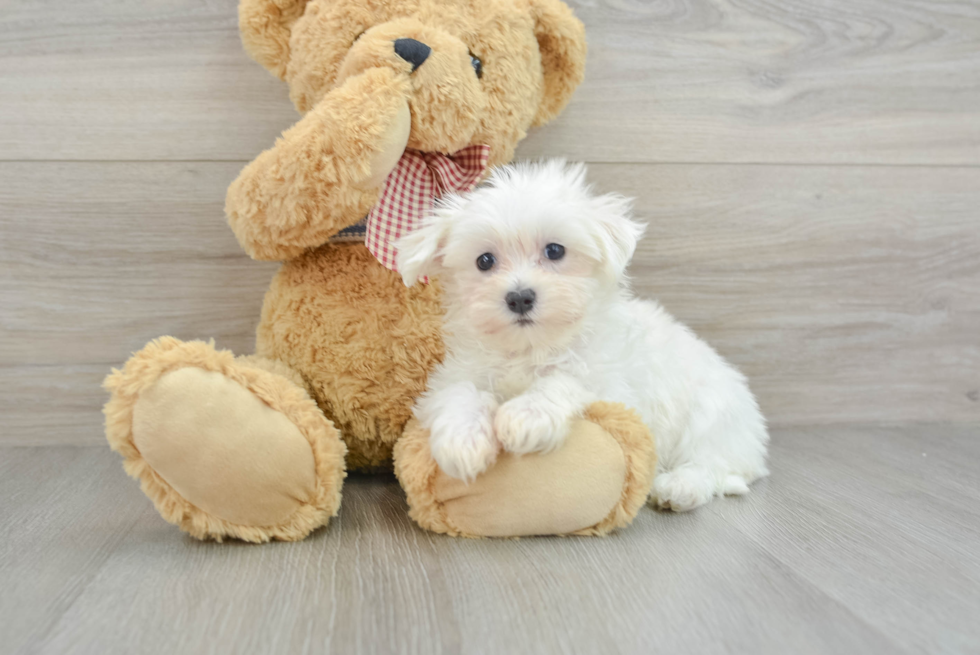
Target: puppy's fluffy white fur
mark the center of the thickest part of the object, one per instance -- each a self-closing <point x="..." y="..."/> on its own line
<point x="514" y="381"/>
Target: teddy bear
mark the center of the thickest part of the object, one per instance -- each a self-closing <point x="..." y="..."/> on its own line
<point x="401" y="100"/>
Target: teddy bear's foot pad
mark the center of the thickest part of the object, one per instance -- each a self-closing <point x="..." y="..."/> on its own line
<point x="595" y="482"/>
<point x="225" y="446"/>
<point x="537" y="494"/>
<point x="222" y="449"/>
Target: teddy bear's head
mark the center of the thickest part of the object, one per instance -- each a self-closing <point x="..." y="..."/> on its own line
<point x="482" y="71"/>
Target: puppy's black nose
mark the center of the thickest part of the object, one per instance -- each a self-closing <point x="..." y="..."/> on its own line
<point x="521" y="302"/>
<point x="412" y="51"/>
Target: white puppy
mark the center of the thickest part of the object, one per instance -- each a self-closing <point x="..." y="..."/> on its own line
<point x="540" y="323"/>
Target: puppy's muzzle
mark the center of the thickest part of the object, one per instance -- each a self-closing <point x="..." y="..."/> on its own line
<point x="521" y="302"/>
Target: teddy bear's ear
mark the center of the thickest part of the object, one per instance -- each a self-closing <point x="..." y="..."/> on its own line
<point x="265" y="26"/>
<point x="561" y="40"/>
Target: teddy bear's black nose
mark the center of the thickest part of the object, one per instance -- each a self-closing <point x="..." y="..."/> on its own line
<point x="412" y="51"/>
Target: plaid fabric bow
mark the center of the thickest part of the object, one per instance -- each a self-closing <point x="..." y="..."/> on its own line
<point x="411" y="189"/>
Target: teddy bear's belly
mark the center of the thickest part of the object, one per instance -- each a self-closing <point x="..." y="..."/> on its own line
<point x="363" y="342"/>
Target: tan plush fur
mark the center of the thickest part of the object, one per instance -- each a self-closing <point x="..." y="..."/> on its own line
<point x="432" y="509"/>
<point x="363" y="343"/>
<point x="343" y="347"/>
<point x="167" y="354"/>
<point x="344" y="75"/>
<point x="639" y="449"/>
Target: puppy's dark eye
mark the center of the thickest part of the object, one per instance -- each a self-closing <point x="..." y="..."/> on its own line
<point x="485" y="261"/>
<point x="477" y="65"/>
<point x="554" y="251"/>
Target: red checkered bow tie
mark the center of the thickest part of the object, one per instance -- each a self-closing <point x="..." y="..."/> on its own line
<point x="411" y="189"/>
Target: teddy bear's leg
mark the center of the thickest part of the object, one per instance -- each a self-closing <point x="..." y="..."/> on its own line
<point x="225" y="447"/>
<point x="595" y="482"/>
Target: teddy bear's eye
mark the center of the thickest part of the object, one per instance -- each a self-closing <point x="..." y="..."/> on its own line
<point x="554" y="251"/>
<point x="477" y="65"/>
<point x="485" y="261"/>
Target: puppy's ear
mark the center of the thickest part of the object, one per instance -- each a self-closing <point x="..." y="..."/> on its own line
<point x="617" y="235"/>
<point x="418" y="253"/>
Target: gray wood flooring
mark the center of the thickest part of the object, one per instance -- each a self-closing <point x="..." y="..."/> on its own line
<point x="863" y="541"/>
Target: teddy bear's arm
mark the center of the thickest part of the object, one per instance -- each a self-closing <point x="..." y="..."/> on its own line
<point x="323" y="174"/>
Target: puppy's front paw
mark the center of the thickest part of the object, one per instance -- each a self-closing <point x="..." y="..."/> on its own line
<point x="529" y="424"/>
<point x="464" y="449"/>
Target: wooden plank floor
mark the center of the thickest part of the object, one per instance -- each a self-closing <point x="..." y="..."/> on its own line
<point x="863" y="541"/>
